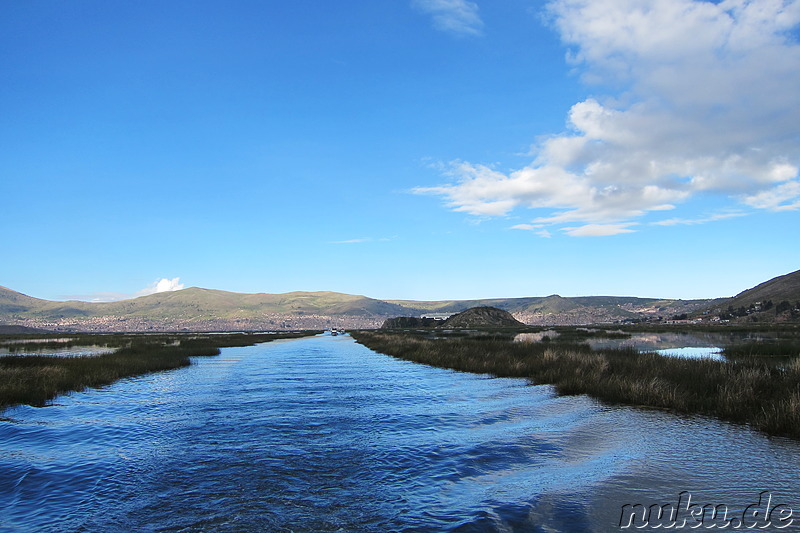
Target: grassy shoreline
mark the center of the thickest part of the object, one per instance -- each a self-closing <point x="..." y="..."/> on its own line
<point x="37" y="379"/>
<point x="752" y="391"/>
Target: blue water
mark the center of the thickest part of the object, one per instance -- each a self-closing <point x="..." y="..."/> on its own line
<point x="694" y="352"/>
<point x="322" y="434"/>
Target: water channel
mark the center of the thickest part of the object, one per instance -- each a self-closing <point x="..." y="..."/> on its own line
<point x="322" y="434"/>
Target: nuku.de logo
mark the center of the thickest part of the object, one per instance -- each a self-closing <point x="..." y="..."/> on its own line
<point x="764" y="514"/>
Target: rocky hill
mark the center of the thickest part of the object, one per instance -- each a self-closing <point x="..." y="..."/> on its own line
<point x="409" y="322"/>
<point x="475" y="317"/>
<point x="482" y="317"/>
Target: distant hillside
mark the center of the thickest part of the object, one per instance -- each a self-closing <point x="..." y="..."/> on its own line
<point x="206" y="303"/>
<point x="21" y="330"/>
<point x="786" y="287"/>
<point x="201" y="309"/>
<point x="776" y="300"/>
<point x="558" y="310"/>
<point x="197" y="309"/>
<point x="200" y="303"/>
<point x="15" y="302"/>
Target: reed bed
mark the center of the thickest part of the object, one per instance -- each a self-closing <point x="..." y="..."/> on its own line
<point x="769" y="349"/>
<point x="753" y="392"/>
<point x="37" y="379"/>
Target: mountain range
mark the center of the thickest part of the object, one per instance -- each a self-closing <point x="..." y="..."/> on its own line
<point x="198" y="309"/>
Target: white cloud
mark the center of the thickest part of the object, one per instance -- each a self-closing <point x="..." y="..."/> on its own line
<point x="362" y="240"/>
<point x="162" y="285"/>
<point x="696" y="221"/>
<point x="707" y="98"/>
<point x="783" y="197"/>
<point x="351" y="241"/>
<point x="459" y="17"/>
<point x="598" y="230"/>
<point x="536" y="228"/>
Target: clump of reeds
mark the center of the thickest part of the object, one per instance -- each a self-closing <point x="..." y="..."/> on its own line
<point x="756" y="349"/>
<point x="572" y="334"/>
<point x="37" y="379"/>
<point x="765" y="396"/>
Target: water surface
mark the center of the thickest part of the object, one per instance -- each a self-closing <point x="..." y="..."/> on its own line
<point x="322" y="434"/>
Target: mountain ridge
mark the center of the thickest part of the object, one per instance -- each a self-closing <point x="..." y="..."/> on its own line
<point x="197" y="308"/>
<point x="785" y="287"/>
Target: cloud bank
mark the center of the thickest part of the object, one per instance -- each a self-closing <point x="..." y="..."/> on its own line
<point x="457" y="17"/>
<point x="706" y="99"/>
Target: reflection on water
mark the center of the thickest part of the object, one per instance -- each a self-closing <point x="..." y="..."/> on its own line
<point x="536" y="337"/>
<point x="322" y="434"/>
<point x="38" y="340"/>
<point x="647" y="342"/>
<point x="692" y="346"/>
<point x="694" y="352"/>
<point x="72" y="351"/>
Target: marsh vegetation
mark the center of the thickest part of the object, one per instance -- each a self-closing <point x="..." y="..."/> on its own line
<point x="751" y="390"/>
<point x="37" y="379"/>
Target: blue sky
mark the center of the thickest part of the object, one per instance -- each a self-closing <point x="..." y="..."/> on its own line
<point x="414" y="149"/>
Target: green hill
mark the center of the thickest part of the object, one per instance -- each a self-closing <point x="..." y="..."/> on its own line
<point x="207" y="309"/>
<point x="786" y="287"/>
<point x="776" y="300"/>
<point x="196" y="303"/>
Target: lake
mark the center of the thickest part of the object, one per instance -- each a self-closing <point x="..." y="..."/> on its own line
<point x="322" y="434"/>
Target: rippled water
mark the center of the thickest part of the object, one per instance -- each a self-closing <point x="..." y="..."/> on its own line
<point x="322" y="434"/>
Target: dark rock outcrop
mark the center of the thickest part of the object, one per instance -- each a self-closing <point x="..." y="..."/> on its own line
<point x="408" y="322"/>
<point x="476" y="317"/>
<point x="482" y="317"/>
